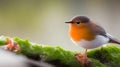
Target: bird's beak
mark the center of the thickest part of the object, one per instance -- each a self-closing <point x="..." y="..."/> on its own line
<point x="68" y="22"/>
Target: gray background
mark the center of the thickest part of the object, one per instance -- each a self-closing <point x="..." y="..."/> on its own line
<point x="42" y="21"/>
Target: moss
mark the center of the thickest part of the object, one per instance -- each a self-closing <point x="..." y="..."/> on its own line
<point x="47" y="53"/>
<point x="106" y="56"/>
<point x="2" y="40"/>
<point x="96" y="63"/>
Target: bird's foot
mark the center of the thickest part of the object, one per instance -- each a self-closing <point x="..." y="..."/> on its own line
<point x="85" y="61"/>
<point x="11" y="45"/>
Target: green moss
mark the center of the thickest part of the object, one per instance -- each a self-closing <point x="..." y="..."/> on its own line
<point x="2" y="40"/>
<point x="96" y="63"/>
<point x="106" y="56"/>
<point x="48" y="53"/>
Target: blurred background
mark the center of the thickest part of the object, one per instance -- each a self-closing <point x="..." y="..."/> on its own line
<point x="42" y="21"/>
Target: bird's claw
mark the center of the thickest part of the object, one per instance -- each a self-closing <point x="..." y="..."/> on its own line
<point x="83" y="60"/>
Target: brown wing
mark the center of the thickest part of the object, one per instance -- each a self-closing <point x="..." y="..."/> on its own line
<point x="98" y="30"/>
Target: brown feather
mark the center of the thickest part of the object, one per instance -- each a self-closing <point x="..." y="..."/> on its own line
<point x="98" y="30"/>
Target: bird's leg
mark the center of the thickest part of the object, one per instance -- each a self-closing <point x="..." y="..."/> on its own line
<point x="83" y="59"/>
<point x="85" y="53"/>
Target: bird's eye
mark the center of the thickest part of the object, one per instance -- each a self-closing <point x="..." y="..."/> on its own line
<point x="77" y="22"/>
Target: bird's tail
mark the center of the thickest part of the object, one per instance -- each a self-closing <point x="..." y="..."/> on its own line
<point x="113" y="39"/>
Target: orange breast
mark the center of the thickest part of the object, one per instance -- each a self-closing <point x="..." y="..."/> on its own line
<point x="81" y="31"/>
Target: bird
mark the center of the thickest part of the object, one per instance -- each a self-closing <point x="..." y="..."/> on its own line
<point x="88" y="34"/>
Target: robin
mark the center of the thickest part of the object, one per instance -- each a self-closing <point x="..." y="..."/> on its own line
<point x="89" y="35"/>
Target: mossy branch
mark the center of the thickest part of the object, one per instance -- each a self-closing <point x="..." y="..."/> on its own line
<point x="108" y="56"/>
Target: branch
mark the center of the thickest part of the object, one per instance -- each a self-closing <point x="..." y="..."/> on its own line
<point x="106" y="56"/>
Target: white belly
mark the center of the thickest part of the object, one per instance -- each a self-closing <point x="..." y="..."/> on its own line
<point x="99" y="40"/>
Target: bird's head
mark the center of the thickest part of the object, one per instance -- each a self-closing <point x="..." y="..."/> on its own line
<point x="79" y="21"/>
